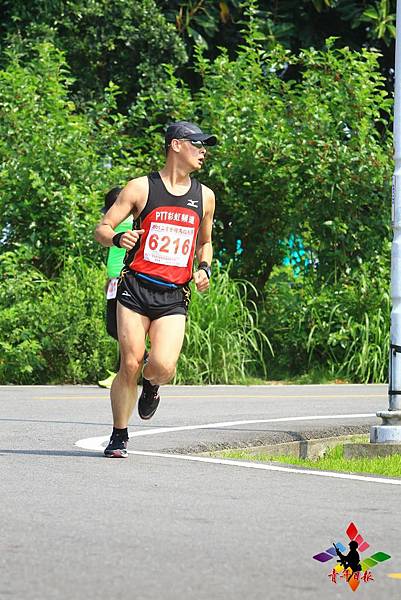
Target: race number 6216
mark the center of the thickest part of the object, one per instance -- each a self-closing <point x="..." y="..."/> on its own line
<point x="168" y="244"/>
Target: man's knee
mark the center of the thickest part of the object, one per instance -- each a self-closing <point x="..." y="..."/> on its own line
<point x="130" y="366"/>
<point x="164" y="372"/>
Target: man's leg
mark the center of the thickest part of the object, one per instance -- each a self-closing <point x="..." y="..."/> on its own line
<point x="132" y="328"/>
<point x="166" y="337"/>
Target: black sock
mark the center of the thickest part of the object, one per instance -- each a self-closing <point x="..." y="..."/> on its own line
<point x="122" y="433"/>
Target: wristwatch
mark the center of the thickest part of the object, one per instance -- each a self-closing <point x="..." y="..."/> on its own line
<point x="205" y="267"/>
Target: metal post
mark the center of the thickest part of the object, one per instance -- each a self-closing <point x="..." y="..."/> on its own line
<point x="390" y="430"/>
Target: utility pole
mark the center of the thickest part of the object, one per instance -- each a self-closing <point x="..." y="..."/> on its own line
<point x="390" y="429"/>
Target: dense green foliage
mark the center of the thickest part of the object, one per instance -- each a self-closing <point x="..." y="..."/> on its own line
<point x="342" y="326"/>
<point x="56" y="162"/>
<point x="293" y="23"/>
<point x="223" y="343"/>
<point x="49" y="160"/>
<point x="129" y="41"/>
<point x="119" y="41"/>
<point x="53" y="330"/>
<point x="286" y="164"/>
<point x="311" y="157"/>
<point x="304" y="150"/>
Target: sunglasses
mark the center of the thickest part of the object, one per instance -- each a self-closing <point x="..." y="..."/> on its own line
<point x="196" y="143"/>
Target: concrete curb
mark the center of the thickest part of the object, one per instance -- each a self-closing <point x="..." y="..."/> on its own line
<point x="271" y="438"/>
<point x="371" y="450"/>
<point x="313" y="448"/>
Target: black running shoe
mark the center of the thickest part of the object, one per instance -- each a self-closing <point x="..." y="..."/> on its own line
<point x="148" y="400"/>
<point x="117" y="447"/>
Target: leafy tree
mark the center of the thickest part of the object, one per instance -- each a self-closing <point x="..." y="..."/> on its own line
<point x="128" y="41"/>
<point x="53" y="174"/>
<point x="295" y="24"/>
<point x="121" y="41"/>
<point x="205" y="22"/>
<point x="307" y="157"/>
<point x="310" y="157"/>
<point x="339" y="114"/>
<point x="381" y="19"/>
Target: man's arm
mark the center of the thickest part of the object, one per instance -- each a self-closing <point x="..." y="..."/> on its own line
<point x="204" y="248"/>
<point x="130" y="201"/>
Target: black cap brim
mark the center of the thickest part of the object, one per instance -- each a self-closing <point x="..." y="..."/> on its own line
<point x="208" y="140"/>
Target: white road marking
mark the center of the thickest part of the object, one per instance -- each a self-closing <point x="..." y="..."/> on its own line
<point x="96" y="444"/>
<point x="265" y="467"/>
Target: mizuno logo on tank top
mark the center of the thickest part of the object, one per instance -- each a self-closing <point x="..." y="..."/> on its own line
<point x="171" y="223"/>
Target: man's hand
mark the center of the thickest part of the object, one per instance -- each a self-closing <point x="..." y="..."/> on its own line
<point x="130" y="238"/>
<point x="201" y="280"/>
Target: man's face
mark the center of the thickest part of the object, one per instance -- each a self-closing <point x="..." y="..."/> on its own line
<point x="192" y="154"/>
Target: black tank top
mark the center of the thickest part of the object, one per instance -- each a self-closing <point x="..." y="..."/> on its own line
<point x="166" y="250"/>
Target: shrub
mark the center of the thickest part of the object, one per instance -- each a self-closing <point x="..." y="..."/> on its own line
<point x="53" y="331"/>
<point x="340" y="328"/>
<point x="53" y="172"/>
<point x="304" y="149"/>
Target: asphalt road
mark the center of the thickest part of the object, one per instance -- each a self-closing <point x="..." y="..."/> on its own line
<point x="161" y="525"/>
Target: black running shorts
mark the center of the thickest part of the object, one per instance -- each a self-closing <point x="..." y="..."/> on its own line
<point x="151" y="300"/>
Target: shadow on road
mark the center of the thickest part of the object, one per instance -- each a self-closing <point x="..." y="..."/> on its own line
<point x="132" y="426"/>
<point x="55" y="422"/>
<point x="75" y="453"/>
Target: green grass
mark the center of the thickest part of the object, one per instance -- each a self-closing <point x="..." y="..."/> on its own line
<point x="314" y="377"/>
<point x="223" y="342"/>
<point x="333" y="460"/>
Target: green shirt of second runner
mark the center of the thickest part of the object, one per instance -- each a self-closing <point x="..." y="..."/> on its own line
<point x="115" y="258"/>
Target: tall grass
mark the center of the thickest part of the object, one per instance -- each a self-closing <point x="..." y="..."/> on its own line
<point x="223" y="343"/>
<point x="356" y="350"/>
<point x="53" y="331"/>
<point x="357" y="344"/>
<point x="366" y="357"/>
<point x="340" y="330"/>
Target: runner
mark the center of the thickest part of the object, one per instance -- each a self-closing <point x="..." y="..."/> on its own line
<point x="115" y="262"/>
<point x="175" y="213"/>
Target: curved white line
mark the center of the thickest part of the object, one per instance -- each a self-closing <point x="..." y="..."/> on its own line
<point x="95" y="443"/>
<point x="265" y="467"/>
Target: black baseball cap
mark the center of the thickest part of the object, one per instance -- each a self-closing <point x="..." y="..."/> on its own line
<point x="189" y="131"/>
